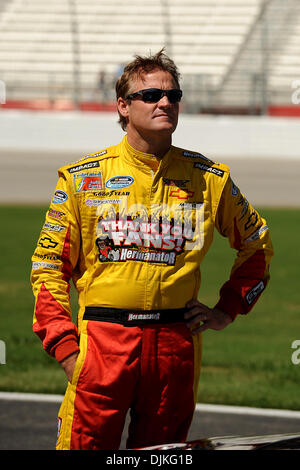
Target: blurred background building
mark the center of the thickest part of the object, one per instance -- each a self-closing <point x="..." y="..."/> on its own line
<point x="235" y="56"/>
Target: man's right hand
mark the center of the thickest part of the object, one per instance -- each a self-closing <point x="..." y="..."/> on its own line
<point x="68" y="365"/>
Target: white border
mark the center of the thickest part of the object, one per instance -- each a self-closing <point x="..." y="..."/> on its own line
<point x="241" y="410"/>
<point x="40" y="397"/>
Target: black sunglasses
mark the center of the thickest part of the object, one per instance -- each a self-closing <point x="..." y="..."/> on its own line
<point x="153" y="95"/>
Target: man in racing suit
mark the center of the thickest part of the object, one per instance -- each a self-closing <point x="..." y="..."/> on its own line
<point x="137" y="341"/>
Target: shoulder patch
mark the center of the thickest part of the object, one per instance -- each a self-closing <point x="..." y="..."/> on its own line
<point x="92" y="155"/>
<point x="95" y="159"/>
<point x="194" y="155"/>
<point x="210" y="169"/>
<point x="83" y="166"/>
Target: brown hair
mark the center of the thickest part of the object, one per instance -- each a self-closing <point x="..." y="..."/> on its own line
<point x="143" y="65"/>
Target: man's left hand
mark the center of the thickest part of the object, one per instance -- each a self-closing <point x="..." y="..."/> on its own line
<point x="200" y="317"/>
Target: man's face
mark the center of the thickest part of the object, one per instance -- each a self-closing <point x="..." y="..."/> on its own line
<point x="149" y="118"/>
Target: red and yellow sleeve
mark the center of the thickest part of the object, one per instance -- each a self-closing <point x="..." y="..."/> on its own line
<point x="53" y="262"/>
<point x="249" y="234"/>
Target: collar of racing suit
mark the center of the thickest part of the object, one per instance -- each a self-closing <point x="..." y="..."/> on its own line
<point x="143" y="160"/>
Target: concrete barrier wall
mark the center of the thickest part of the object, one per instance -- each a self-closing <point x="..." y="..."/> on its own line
<point x="218" y="137"/>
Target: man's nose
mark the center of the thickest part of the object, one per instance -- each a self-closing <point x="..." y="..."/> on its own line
<point x="164" y="101"/>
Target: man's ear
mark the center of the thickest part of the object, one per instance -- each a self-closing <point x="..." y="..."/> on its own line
<point x="122" y="105"/>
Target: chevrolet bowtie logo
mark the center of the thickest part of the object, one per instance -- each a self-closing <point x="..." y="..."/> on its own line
<point x="47" y="242"/>
<point x="181" y="194"/>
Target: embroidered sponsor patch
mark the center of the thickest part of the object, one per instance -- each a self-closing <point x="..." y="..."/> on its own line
<point x="40" y="264"/>
<point x="210" y="169"/>
<point x="47" y="242"/>
<point x="175" y="182"/>
<point x="252" y="220"/>
<point x="119" y="182"/>
<point x="158" y="239"/>
<point x="181" y="193"/>
<point x="88" y="182"/>
<point x="48" y="257"/>
<point x="60" y="197"/>
<point x="84" y="166"/>
<point x="254" y="292"/>
<point x="56" y="214"/>
<point x="100" y="202"/>
<point x="143" y="316"/>
<point x="85" y="157"/>
<point x="256" y="235"/>
<point x="53" y="228"/>
<point x="59" y="422"/>
<point x="198" y="155"/>
<point x="234" y="189"/>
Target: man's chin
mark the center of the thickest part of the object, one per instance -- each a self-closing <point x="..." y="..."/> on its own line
<point x="165" y="127"/>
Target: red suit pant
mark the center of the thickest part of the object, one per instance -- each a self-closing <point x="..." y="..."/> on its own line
<point x="151" y="370"/>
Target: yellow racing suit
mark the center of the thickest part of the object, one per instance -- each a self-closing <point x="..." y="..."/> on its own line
<point x="131" y="230"/>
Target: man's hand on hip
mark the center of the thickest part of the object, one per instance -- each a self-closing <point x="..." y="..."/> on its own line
<point x="200" y="317"/>
<point x="68" y="365"/>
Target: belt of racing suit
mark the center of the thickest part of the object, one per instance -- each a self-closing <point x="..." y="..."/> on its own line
<point x="134" y="317"/>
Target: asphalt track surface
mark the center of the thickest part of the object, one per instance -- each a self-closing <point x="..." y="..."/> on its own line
<point x="30" y="178"/>
<point x="30" y="424"/>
